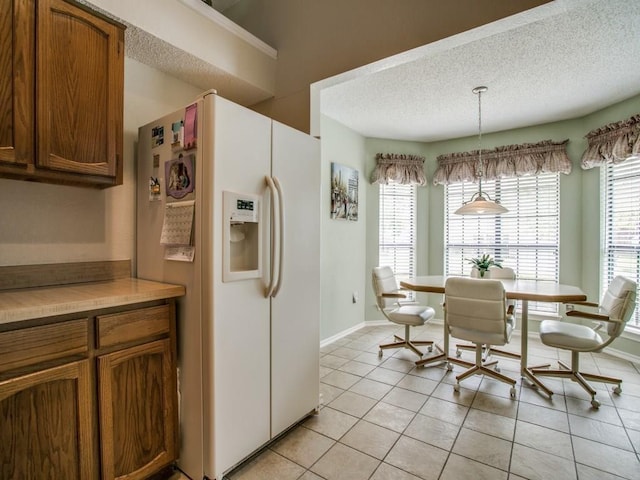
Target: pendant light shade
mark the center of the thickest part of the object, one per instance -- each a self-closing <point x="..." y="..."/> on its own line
<point x="479" y="203"/>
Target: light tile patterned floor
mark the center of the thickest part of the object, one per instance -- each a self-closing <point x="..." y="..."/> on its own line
<point x="384" y="419"/>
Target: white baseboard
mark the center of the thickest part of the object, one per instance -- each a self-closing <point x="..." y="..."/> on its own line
<point x="622" y="355"/>
<point x="344" y="333"/>
<point x="376" y="323"/>
<point x="355" y="328"/>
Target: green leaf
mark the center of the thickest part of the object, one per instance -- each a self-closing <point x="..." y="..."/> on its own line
<point x="484" y="262"/>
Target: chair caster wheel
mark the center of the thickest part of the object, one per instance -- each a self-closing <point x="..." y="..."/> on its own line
<point x="430" y="349"/>
<point x="512" y="392"/>
<point x="617" y="390"/>
<point x="595" y="403"/>
<point x="380" y="353"/>
<point x="456" y="388"/>
<point x="458" y="353"/>
<point x="449" y="367"/>
<point x="497" y="368"/>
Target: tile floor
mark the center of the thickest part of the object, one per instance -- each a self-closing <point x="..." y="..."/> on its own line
<point x="385" y="419"/>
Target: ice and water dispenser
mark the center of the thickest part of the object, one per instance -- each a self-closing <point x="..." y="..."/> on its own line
<point x="242" y="238"/>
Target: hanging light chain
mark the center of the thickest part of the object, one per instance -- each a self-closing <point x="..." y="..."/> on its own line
<point x="480" y="134"/>
<point x="478" y="91"/>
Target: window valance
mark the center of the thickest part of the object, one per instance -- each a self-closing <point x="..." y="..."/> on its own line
<point x="399" y="168"/>
<point x="613" y="143"/>
<point x="506" y="161"/>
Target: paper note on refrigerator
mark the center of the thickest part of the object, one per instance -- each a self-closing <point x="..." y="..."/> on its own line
<point x="180" y="254"/>
<point x="190" y="126"/>
<point x="178" y="223"/>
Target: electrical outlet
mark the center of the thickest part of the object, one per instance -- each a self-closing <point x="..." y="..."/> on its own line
<point x="354" y="297"/>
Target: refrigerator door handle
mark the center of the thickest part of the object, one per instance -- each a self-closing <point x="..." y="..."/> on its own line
<point x="275" y="238"/>
<point x="280" y="227"/>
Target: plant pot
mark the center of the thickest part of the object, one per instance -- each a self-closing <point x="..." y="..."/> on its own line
<point x="477" y="273"/>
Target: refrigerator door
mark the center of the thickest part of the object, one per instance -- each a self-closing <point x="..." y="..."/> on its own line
<point x="295" y="310"/>
<point x="236" y="376"/>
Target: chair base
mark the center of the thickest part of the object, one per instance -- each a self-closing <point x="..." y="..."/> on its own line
<point x="440" y="357"/>
<point x="488" y="352"/>
<point x="406" y="342"/>
<point x="581" y="378"/>
<point x="481" y="369"/>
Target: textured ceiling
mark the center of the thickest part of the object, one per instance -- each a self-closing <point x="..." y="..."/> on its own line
<point x="153" y="51"/>
<point x="240" y="67"/>
<point x="577" y="57"/>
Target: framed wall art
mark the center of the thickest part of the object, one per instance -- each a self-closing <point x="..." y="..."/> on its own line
<point x="344" y="192"/>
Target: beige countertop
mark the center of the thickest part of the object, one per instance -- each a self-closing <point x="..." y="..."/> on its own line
<point x="28" y="303"/>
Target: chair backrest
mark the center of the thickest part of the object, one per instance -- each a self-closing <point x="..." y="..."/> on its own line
<point x="476" y="305"/>
<point x="384" y="281"/>
<point x="618" y="303"/>
<point x="504" y="272"/>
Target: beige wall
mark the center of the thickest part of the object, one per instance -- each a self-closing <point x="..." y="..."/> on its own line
<point x="317" y="39"/>
<point x="41" y="223"/>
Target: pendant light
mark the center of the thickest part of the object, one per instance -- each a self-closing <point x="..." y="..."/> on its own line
<point x="480" y="203"/>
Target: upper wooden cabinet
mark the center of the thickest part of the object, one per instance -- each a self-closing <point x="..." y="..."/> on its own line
<point x="61" y="93"/>
<point x="17" y="82"/>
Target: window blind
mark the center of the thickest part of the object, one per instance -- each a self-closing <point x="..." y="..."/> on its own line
<point x="397" y="229"/>
<point x="620" y="215"/>
<point x="525" y="239"/>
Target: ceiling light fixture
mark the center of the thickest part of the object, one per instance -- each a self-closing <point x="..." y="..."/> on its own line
<point x="479" y="203"/>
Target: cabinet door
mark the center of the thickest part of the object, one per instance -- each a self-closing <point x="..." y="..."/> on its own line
<point x="17" y="23"/>
<point x="79" y="86"/>
<point x="46" y="425"/>
<point x="137" y="395"/>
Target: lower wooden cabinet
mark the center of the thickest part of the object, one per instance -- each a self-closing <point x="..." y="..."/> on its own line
<point x="91" y="398"/>
<point x="46" y="424"/>
<point x="136" y="393"/>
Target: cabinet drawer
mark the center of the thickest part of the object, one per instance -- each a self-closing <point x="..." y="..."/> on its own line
<point x="131" y="326"/>
<point x="28" y="346"/>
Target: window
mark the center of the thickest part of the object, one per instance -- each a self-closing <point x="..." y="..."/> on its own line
<point x="620" y="203"/>
<point x="397" y="235"/>
<point x="525" y="239"/>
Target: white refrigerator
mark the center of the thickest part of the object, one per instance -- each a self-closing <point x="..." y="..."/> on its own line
<point x="248" y="326"/>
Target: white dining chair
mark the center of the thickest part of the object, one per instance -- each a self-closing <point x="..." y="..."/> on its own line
<point x="388" y="297"/>
<point x="488" y="350"/>
<point x="476" y="311"/>
<point x="610" y="316"/>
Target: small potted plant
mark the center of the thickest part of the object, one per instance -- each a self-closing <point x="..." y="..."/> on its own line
<point x="481" y="264"/>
